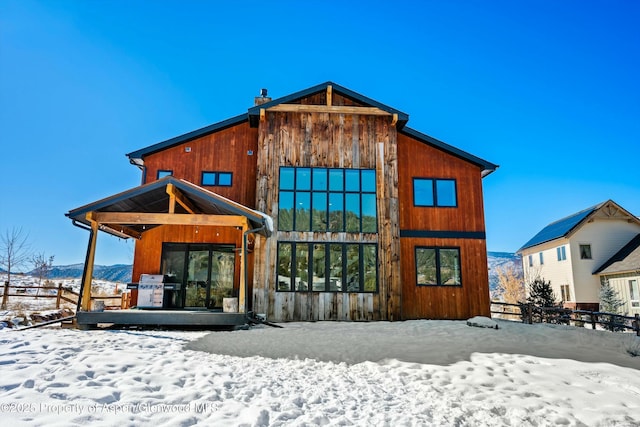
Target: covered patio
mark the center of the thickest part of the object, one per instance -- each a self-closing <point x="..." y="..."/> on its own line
<point x="139" y="213"/>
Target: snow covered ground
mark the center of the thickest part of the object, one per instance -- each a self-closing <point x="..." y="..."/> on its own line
<point x="32" y="300"/>
<point x="411" y="373"/>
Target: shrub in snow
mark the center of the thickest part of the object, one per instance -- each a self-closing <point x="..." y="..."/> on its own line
<point x="482" y="322"/>
<point x="632" y="345"/>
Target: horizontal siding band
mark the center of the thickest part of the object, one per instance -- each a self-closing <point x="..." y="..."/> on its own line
<point x="444" y="234"/>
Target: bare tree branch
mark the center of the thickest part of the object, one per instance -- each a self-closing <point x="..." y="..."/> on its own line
<point x="15" y="250"/>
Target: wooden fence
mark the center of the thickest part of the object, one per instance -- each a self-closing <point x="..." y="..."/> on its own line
<point x="111" y="302"/>
<point x="529" y="313"/>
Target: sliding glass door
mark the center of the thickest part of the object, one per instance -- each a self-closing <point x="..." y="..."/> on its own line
<point x="205" y="273"/>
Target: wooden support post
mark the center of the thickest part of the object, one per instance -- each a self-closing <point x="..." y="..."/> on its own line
<point x="329" y="95"/>
<point x="262" y="114"/>
<point x="636" y="324"/>
<point x="243" y="271"/>
<point x="176" y="195"/>
<point x="58" y="295"/>
<point x="89" y="263"/>
<point x="172" y="198"/>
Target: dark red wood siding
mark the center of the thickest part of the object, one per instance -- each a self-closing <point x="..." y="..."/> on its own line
<point x="416" y="159"/>
<point x="224" y="151"/>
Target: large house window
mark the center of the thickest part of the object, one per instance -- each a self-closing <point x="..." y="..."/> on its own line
<point x="437" y="266"/>
<point x="327" y="267"/>
<point x="585" y="251"/>
<point x="562" y="253"/>
<point x="434" y="192"/>
<point x="220" y="179"/>
<point x="322" y="199"/>
<point x="565" y="292"/>
<point x="634" y="293"/>
<point x="541" y="259"/>
<point x="530" y="260"/>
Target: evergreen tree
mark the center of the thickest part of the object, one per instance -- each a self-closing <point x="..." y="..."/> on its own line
<point x="541" y="293"/>
<point x="610" y="302"/>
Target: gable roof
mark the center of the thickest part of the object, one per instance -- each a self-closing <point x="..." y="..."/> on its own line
<point x="568" y="225"/>
<point x="487" y="167"/>
<point x="154" y="198"/>
<point x="253" y="117"/>
<point x="254" y="112"/>
<point x="625" y="260"/>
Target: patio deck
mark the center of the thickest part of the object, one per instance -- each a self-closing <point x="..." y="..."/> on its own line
<point x="136" y="317"/>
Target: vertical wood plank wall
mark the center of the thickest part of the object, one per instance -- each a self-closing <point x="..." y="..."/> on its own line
<point x="223" y="151"/>
<point x="338" y="141"/>
<point x="417" y="159"/>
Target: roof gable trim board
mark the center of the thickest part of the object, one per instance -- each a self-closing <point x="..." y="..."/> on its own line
<point x="254" y="112"/>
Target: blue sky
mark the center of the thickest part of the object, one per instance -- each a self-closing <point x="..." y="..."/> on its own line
<point x="549" y="90"/>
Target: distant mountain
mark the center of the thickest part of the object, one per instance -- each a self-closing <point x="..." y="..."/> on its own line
<point x="111" y="273"/>
<point x="498" y="260"/>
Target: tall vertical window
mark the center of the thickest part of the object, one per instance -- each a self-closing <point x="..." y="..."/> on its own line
<point x="327" y="267"/>
<point x="634" y="293"/>
<point x="321" y="199"/>
<point x="530" y="260"/>
<point x="562" y="253"/>
<point x="565" y="292"/>
<point x="437" y="266"/>
<point x="541" y="259"/>
<point x="434" y="192"/>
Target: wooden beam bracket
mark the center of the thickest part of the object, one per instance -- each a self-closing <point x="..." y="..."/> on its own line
<point x="176" y="195"/>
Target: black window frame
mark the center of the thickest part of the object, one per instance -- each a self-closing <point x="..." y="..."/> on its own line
<point x="342" y="195"/>
<point x="434" y="191"/>
<point x="216" y="178"/>
<point x="438" y="266"/>
<point x="293" y="285"/>
<point x="584" y="248"/>
<point x="167" y="172"/>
